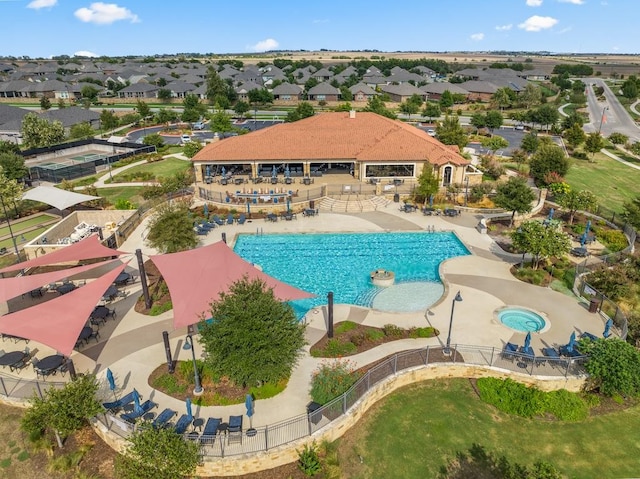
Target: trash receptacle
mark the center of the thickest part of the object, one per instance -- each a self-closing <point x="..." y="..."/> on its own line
<point x="594" y="304"/>
<point x="313" y="412"/>
<point x="396" y="198"/>
<point x="312" y="205"/>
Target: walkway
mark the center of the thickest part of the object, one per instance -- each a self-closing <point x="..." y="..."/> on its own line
<point x="561" y="109"/>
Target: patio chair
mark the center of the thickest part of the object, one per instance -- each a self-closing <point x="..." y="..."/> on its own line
<point x="217" y="220"/>
<point x="120" y="403"/>
<point x="509" y="351"/>
<point x="230" y="219"/>
<point x="183" y="423"/>
<point x="590" y="336"/>
<point x="553" y="357"/>
<point x="145" y="407"/>
<point x="94" y="335"/>
<point x="210" y="430"/>
<point x="241" y="219"/>
<point x="234" y="432"/>
<point x="201" y="231"/>
<point x="527" y="353"/>
<point x="164" y="417"/>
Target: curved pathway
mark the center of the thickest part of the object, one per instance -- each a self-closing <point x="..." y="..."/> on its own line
<point x="633" y="106"/>
<point x="561" y="109"/>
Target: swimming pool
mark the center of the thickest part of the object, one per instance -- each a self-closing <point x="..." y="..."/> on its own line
<point x="342" y="263"/>
<point x="521" y="319"/>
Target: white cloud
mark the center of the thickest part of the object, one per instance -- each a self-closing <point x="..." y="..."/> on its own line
<point x="564" y="30"/>
<point x="85" y="53"/>
<point x="504" y="28"/>
<point x="537" y="23"/>
<point x="105" y="14"/>
<point x="476" y="37"/>
<point x="264" y="45"/>
<point x="575" y="2"/>
<point x="38" y="4"/>
<point x="534" y="3"/>
<point x="323" y="20"/>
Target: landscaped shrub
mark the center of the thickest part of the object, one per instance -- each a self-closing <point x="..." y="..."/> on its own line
<point x="336" y="348"/>
<point x="427" y="332"/>
<point x="157" y="309"/>
<point x="345" y="326"/>
<point x="614" y="240"/>
<point x="331" y="380"/>
<point x="309" y="460"/>
<point x="392" y="331"/>
<point x="375" y="334"/>
<point x="529" y="275"/>
<point x="566" y="406"/>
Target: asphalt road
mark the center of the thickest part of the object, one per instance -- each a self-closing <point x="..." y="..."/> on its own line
<point x="608" y="116"/>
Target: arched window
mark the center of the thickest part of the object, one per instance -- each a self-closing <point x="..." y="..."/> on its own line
<point x="446" y="177"/>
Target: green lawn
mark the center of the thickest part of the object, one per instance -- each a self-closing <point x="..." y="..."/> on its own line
<point x="131" y="193"/>
<point x="18" y="226"/>
<point x="612" y="182"/>
<point x="162" y="168"/>
<point x="415" y="431"/>
<point x="22" y="238"/>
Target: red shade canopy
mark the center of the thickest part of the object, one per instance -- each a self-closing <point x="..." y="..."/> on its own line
<point x="196" y="277"/>
<point x="12" y="287"/>
<point x="89" y="248"/>
<point x="58" y="322"/>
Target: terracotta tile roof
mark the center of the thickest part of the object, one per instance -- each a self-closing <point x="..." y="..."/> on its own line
<point x="334" y="136"/>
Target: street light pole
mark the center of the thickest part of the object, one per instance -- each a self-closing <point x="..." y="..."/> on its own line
<point x="602" y="118"/>
<point x="447" y="349"/>
<point x="466" y="191"/>
<point x="198" y="389"/>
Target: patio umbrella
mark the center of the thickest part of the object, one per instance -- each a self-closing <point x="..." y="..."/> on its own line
<point x="248" y="402"/>
<point x="112" y="382"/>
<point x="288" y="204"/>
<point x="136" y="401"/>
<point x="274" y="173"/>
<point x="551" y="213"/>
<point x="287" y="173"/>
<point x="248" y="206"/>
<point x="223" y="172"/>
<point x="430" y="201"/>
<point x="205" y="211"/>
<point x="527" y="341"/>
<point x="189" y="411"/>
<point x="207" y="170"/>
<point x="572" y="342"/>
<point x="607" y="328"/>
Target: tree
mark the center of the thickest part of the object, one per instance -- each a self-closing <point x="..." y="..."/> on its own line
<point x="446" y="99"/>
<point x="575" y="135"/>
<point x="81" y="131"/>
<point x="89" y="95"/>
<point x="12" y="166"/>
<point x="157" y="453"/>
<point x="450" y="132"/>
<point x="631" y="212"/>
<point x="428" y="182"/>
<point x="514" y="195"/>
<point x="154" y="139"/>
<point x="65" y="410"/>
<point x="376" y="105"/>
<point x="255" y="338"/>
<point x="530" y="142"/>
<point x="190" y="149"/>
<point x="221" y="123"/>
<point x="171" y="228"/>
<point x="493" y="120"/>
<point x="593" y="143"/>
<point x="478" y="120"/>
<point x="108" y="120"/>
<point x="502" y="98"/>
<point x="10" y="192"/>
<point x="577" y="200"/>
<point x="519" y="156"/>
<point x="431" y="111"/>
<point x="164" y="95"/>
<point x="45" y="103"/>
<point x="241" y="108"/>
<point x="540" y="241"/>
<point x="194" y="109"/>
<point x="165" y="115"/>
<point x="38" y="132"/>
<point x="216" y="86"/>
<point x="548" y="158"/>
<point x="260" y="96"/>
<point x="618" y="138"/>
<point x="143" y="109"/>
<point x="303" y="110"/>
<point x="409" y="108"/>
<point x="630" y="89"/>
<point x="613" y="366"/>
<point x="574" y="118"/>
<point x="531" y="96"/>
<point x="545" y="115"/>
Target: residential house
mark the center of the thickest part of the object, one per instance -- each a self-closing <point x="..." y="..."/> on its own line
<point x="362" y="92"/>
<point x="179" y="89"/>
<point x="324" y="74"/>
<point x="139" y="90"/>
<point x="435" y="90"/>
<point x="323" y="92"/>
<point x="403" y="92"/>
<point x="287" y="92"/>
<point x="244" y="89"/>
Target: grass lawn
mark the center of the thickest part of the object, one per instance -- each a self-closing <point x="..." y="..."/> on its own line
<point x="162" y="168"/>
<point x="18" y="226"/>
<point x="131" y="193"/>
<point x="417" y="430"/>
<point x="22" y="237"/>
<point x="612" y="182"/>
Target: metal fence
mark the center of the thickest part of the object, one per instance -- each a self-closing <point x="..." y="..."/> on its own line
<point x="258" y="199"/>
<point x="265" y="438"/>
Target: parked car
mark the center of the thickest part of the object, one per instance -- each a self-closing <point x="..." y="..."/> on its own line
<point x="199" y="125"/>
<point x="431" y="132"/>
<point x="185" y="139"/>
<point x="520" y="127"/>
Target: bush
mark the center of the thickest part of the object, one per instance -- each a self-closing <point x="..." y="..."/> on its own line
<point x="374" y="334"/>
<point x="158" y="309"/>
<point x="345" y="326"/>
<point x="308" y="460"/>
<point x="530" y="275"/>
<point x="614" y="240"/>
<point x="392" y="331"/>
<point x="331" y="380"/>
<point x="427" y="332"/>
<point x="336" y="348"/>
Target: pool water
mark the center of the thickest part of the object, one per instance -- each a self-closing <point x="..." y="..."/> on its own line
<point x="342" y="263"/>
<point x="521" y="319"/>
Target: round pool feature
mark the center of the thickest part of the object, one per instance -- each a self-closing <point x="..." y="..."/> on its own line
<point x="522" y="319"/>
<point x="383" y="278"/>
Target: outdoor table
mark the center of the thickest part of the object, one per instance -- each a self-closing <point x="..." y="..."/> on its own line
<point x="309" y="212"/>
<point x="110" y="293"/>
<point x="306" y="181"/>
<point x="50" y="363"/>
<point x="99" y="314"/>
<point x="84" y="334"/>
<point x="122" y="278"/>
<point x="238" y="181"/>
<point x="272" y="217"/>
<point x="12" y="359"/>
<point x="223" y="181"/>
<point x="274" y="180"/>
<point x="34" y="293"/>
<point x="287" y="181"/>
<point x="65" y="288"/>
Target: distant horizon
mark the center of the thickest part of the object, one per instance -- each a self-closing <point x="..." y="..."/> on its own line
<point x="89" y="28"/>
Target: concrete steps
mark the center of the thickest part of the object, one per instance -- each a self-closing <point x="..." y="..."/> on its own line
<point x="352" y="204"/>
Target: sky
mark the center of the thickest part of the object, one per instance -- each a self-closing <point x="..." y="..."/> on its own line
<point x="45" y="28"/>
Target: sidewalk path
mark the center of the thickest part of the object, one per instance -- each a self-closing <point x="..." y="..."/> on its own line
<point x="561" y="109"/>
<point x="620" y="160"/>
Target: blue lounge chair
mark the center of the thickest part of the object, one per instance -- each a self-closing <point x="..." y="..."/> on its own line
<point x="210" y="429"/>
<point x="527" y="353"/>
<point x="120" y="403"/>
<point x="183" y="423"/>
<point x="201" y="231"/>
<point x="164" y="417"/>
<point x="590" y="336"/>
<point x="145" y="407"/>
<point x="509" y="351"/>
<point x="241" y="219"/>
<point x="217" y="220"/>
<point x="230" y="219"/>
<point x="234" y="431"/>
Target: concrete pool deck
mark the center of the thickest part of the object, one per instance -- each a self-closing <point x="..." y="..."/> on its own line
<point x="131" y="346"/>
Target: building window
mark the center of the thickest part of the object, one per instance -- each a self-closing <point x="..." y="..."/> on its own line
<point x="321" y="97"/>
<point x="447" y="175"/>
<point x="285" y="97"/>
<point x="383" y="171"/>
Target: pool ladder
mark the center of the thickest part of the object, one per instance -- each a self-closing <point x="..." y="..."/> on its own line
<point x="259" y="232"/>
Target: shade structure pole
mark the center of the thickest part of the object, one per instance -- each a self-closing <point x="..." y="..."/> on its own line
<point x="71" y="368"/>
<point x="330" y="314"/>
<point x="198" y="389"/>
<point x="167" y="350"/>
<point x="143" y="279"/>
<point x="13" y="238"/>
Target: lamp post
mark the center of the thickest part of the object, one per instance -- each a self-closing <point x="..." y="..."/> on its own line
<point x="466" y="191"/>
<point x="447" y="348"/>
<point x="198" y="389"/>
<point x="602" y="118"/>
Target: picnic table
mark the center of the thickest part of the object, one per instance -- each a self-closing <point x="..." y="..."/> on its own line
<point x="272" y="217"/>
<point x="50" y="363"/>
<point x="110" y="293"/>
<point x="65" y="288"/>
<point x="309" y="212"/>
<point x="85" y="334"/>
<point x="122" y="278"/>
<point x="13" y="359"/>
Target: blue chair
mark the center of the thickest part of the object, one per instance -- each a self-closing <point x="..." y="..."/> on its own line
<point x="241" y="219"/>
<point x="217" y="220"/>
<point x="163" y="417"/>
<point x="120" y="403"/>
<point x="509" y="351"/>
<point x="234" y="431"/>
<point x="145" y="407"/>
<point x="527" y="353"/>
<point x="183" y="423"/>
<point x="590" y="336"/>
<point x="230" y="219"/>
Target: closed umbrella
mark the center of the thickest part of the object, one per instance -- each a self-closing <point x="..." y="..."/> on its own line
<point x="249" y="206"/>
<point x="287" y="173"/>
<point x="527" y="341"/>
<point x="607" y="328"/>
<point x="207" y="170"/>
<point x="288" y="204"/>
<point x="572" y="342"/>
<point x="274" y="173"/>
<point x="248" y="402"/>
<point x="223" y="172"/>
<point x="551" y="213"/>
<point x="112" y="383"/>
<point x="189" y="411"/>
<point x="136" y="402"/>
<point x="205" y="211"/>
